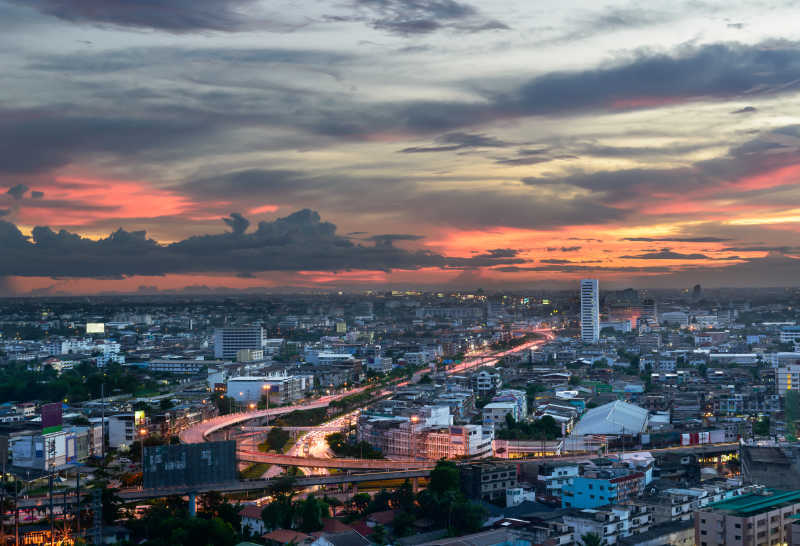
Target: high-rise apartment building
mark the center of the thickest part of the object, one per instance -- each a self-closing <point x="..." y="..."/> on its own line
<point x="229" y="341"/>
<point x="590" y="311"/>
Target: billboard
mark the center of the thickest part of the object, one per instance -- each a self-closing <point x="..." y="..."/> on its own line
<point x="51" y="417"/>
<point x="138" y="418"/>
<point x="190" y="464"/>
<point x="95" y="328"/>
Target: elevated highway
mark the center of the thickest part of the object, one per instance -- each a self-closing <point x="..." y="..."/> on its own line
<point x="202" y="431"/>
<point x="319" y="462"/>
<point x="134" y="494"/>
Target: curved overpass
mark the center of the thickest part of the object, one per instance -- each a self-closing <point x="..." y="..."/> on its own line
<point x="201" y="431"/>
<point x="317" y="462"/>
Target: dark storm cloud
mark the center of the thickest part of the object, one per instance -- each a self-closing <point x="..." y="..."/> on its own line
<point x="298" y="242"/>
<point x="408" y="17"/>
<point x="43" y="139"/>
<point x="754" y="157"/>
<point x="771" y="270"/>
<point x="119" y="60"/>
<point x="17" y="192"/>
<point x="717" y="70"/>
<point x="390" y="238"/>
<point x="568" y="268"/>
<point x="458" y="141"/>
<point x="237" y="223"/>
<point x="37" y="194"/>
<point x="563" y="248"/>
<point x="177" y="16"/>
<point x="648" y="80"/>
<point x="778" y="249"/>
<point x="678" y="239"/>
<point x="500" y="253"/>
<point x="5" y="212"/>
<point x="745" y="110"/>
<point x="667" y="254"/>
<point x="464" y="207"/>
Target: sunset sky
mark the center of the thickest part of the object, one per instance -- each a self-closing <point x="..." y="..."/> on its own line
<point x="158" y="145"/>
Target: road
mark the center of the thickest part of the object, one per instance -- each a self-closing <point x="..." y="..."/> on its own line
<point x="200" y="432"/>
<point x="130" y="494"/>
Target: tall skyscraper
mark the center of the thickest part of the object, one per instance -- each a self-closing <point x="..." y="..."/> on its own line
<point x="590" y="311"/>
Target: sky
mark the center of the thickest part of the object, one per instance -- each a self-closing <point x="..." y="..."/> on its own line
<point x="153" y="145"/>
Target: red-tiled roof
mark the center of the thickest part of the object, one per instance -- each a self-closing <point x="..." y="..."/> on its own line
<point x="384" y="518"/>
<point x="330" y="525"/>
<point x="251" y="511"/>
<point x="287" y="535"/>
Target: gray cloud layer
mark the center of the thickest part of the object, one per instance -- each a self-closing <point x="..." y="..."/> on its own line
<point x="170" y="15"/>
<point x="300" y="241"/>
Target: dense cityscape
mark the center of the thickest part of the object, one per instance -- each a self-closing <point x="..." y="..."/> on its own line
<point x="583" y="416"/>
<point x="399" y="273"/>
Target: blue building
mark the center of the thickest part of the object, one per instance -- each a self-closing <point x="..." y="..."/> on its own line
<point x="597" y="488"/>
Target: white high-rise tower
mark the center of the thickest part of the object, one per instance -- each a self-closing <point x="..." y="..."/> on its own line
<point x="590" y="311"/>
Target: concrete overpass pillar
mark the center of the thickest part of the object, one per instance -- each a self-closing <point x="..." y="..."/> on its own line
<point x="192" y="504"/>
<point x="415" y="485"/>
<point x="355" y="488"/>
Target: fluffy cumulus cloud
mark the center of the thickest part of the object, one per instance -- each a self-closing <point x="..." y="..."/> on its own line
<point x="298" y="242"/>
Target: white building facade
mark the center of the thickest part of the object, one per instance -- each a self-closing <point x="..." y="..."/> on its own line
<point x="590" y="311"/>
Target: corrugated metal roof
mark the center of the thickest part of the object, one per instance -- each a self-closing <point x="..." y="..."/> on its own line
<point x="613" y="418"/>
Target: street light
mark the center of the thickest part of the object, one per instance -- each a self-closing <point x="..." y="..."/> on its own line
<point x="414" y="421"/>
<point x="266" y="387"/>
<point x="142" y="434"/>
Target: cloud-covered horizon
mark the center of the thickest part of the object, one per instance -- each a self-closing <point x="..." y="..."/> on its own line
<point x="300" y="241"/>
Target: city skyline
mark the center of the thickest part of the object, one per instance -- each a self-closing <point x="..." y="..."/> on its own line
<point x="395" y="143"/>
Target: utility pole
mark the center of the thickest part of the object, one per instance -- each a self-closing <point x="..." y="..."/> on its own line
<point x="16" y="512"/>
<point x="4" y="456"/>
<point x="103" y="422"/>
<point x="78" y="500"/>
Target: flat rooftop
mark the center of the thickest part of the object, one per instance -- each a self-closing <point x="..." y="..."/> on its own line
<point x="748" y="505"/>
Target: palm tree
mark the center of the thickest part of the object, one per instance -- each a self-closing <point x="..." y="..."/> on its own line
<point x="592" y="539"/>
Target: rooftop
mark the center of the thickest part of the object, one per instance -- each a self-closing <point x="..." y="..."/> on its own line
<point x="748" y="505"/>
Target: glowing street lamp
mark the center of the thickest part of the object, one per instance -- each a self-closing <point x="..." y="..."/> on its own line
<point x="265" y="387"/>
<point x="414" y="421"/>
<point x="142" y="434"/>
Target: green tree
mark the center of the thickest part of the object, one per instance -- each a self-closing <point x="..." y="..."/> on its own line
<point x="279" y="513"/>
<point x="111" y="503"/>
<point x="379" y="535"/>
<point x="360" y="502"/>
<point x="216" y="506"/>
<point x="311" y="511"/>
<point x="761" y="426"/>
<point x="380" y="501"/>
<point x="404" y="524"/>
<point x="592" y="539"/>
<point x="467" y="517"/>
<point x="404" y="497"/>
<point x="444" y="477"/>
<point x="277" y="438"/>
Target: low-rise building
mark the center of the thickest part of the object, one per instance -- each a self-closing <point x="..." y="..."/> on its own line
<point x="599" y="487"/>
<point x="610" y="523"/>
<point x="749" y="520"/>
<point x="489" y="480"/>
